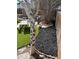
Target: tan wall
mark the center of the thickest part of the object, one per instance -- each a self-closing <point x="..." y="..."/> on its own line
<point x="58" y="32"/>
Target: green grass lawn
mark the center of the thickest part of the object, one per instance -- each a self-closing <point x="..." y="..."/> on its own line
<point x="23" y="39"/>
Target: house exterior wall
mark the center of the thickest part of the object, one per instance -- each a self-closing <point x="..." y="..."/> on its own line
<point x="58" y="32"/>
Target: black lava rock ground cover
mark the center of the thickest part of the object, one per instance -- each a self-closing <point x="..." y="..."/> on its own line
<point x="46" y="41"/>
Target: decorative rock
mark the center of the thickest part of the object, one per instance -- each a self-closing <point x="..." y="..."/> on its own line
<point x="46" y="41"/>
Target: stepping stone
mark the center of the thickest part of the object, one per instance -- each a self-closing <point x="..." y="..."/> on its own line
<point x="21" y="50"/>
<point x="24" y="56"/>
